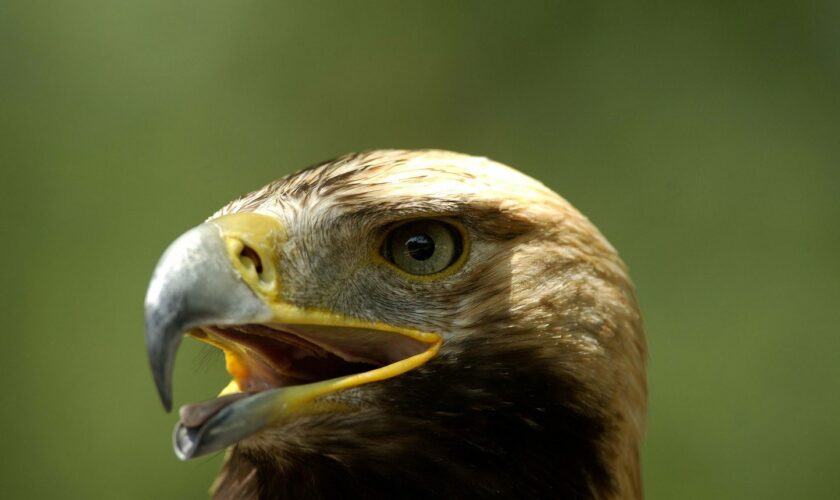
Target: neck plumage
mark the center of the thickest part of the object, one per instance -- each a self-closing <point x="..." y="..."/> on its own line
<point x="509" y="428"/>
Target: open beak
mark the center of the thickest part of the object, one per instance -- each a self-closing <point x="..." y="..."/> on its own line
<point x="219" y="282"/>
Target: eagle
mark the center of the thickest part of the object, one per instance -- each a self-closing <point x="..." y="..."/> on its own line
<point x="406" y="324"/>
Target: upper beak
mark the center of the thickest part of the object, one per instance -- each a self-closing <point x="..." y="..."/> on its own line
<point x="194" y="284"/>
<point x="223" y="273"/>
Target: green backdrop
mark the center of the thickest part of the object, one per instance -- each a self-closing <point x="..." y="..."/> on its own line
<point x="702" y="137"/>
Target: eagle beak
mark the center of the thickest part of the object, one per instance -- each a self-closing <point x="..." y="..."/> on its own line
<point x="194" y="285"/>
<point x="219" y="282"/>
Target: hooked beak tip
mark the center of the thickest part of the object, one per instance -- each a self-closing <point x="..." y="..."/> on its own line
<point x="161" y="362"/>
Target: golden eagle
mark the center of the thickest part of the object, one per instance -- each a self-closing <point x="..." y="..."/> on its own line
<point x="407" y="324"/>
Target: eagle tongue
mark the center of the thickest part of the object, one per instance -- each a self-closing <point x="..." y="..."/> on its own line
<point x="196" y="414"/>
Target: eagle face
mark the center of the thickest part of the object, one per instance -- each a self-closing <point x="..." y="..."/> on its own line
<point x="407" y="324"/>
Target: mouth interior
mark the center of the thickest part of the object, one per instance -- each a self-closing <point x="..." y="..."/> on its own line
<point x="264" y="357"/>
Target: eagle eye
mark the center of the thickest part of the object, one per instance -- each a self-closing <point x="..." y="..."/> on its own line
<point x="423" y="247"/>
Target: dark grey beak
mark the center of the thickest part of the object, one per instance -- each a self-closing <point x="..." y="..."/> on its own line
<point x="193" y="285"/>
<point x="236" y="417"/>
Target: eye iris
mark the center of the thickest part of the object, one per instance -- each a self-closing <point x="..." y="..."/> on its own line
<point x="420" y="246"/>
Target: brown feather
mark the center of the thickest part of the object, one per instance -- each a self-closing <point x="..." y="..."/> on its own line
<point x="539" y="389"/>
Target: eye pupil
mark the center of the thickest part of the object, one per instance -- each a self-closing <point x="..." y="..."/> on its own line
<point x="420" y="246"/>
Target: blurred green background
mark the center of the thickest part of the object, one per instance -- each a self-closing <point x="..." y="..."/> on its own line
<point x="703" y="138"/>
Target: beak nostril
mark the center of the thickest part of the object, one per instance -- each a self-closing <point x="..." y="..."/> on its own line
<point x="249" y="255"/>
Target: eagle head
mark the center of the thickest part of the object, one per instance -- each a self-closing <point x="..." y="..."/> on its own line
<point x="406" y="324"/>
